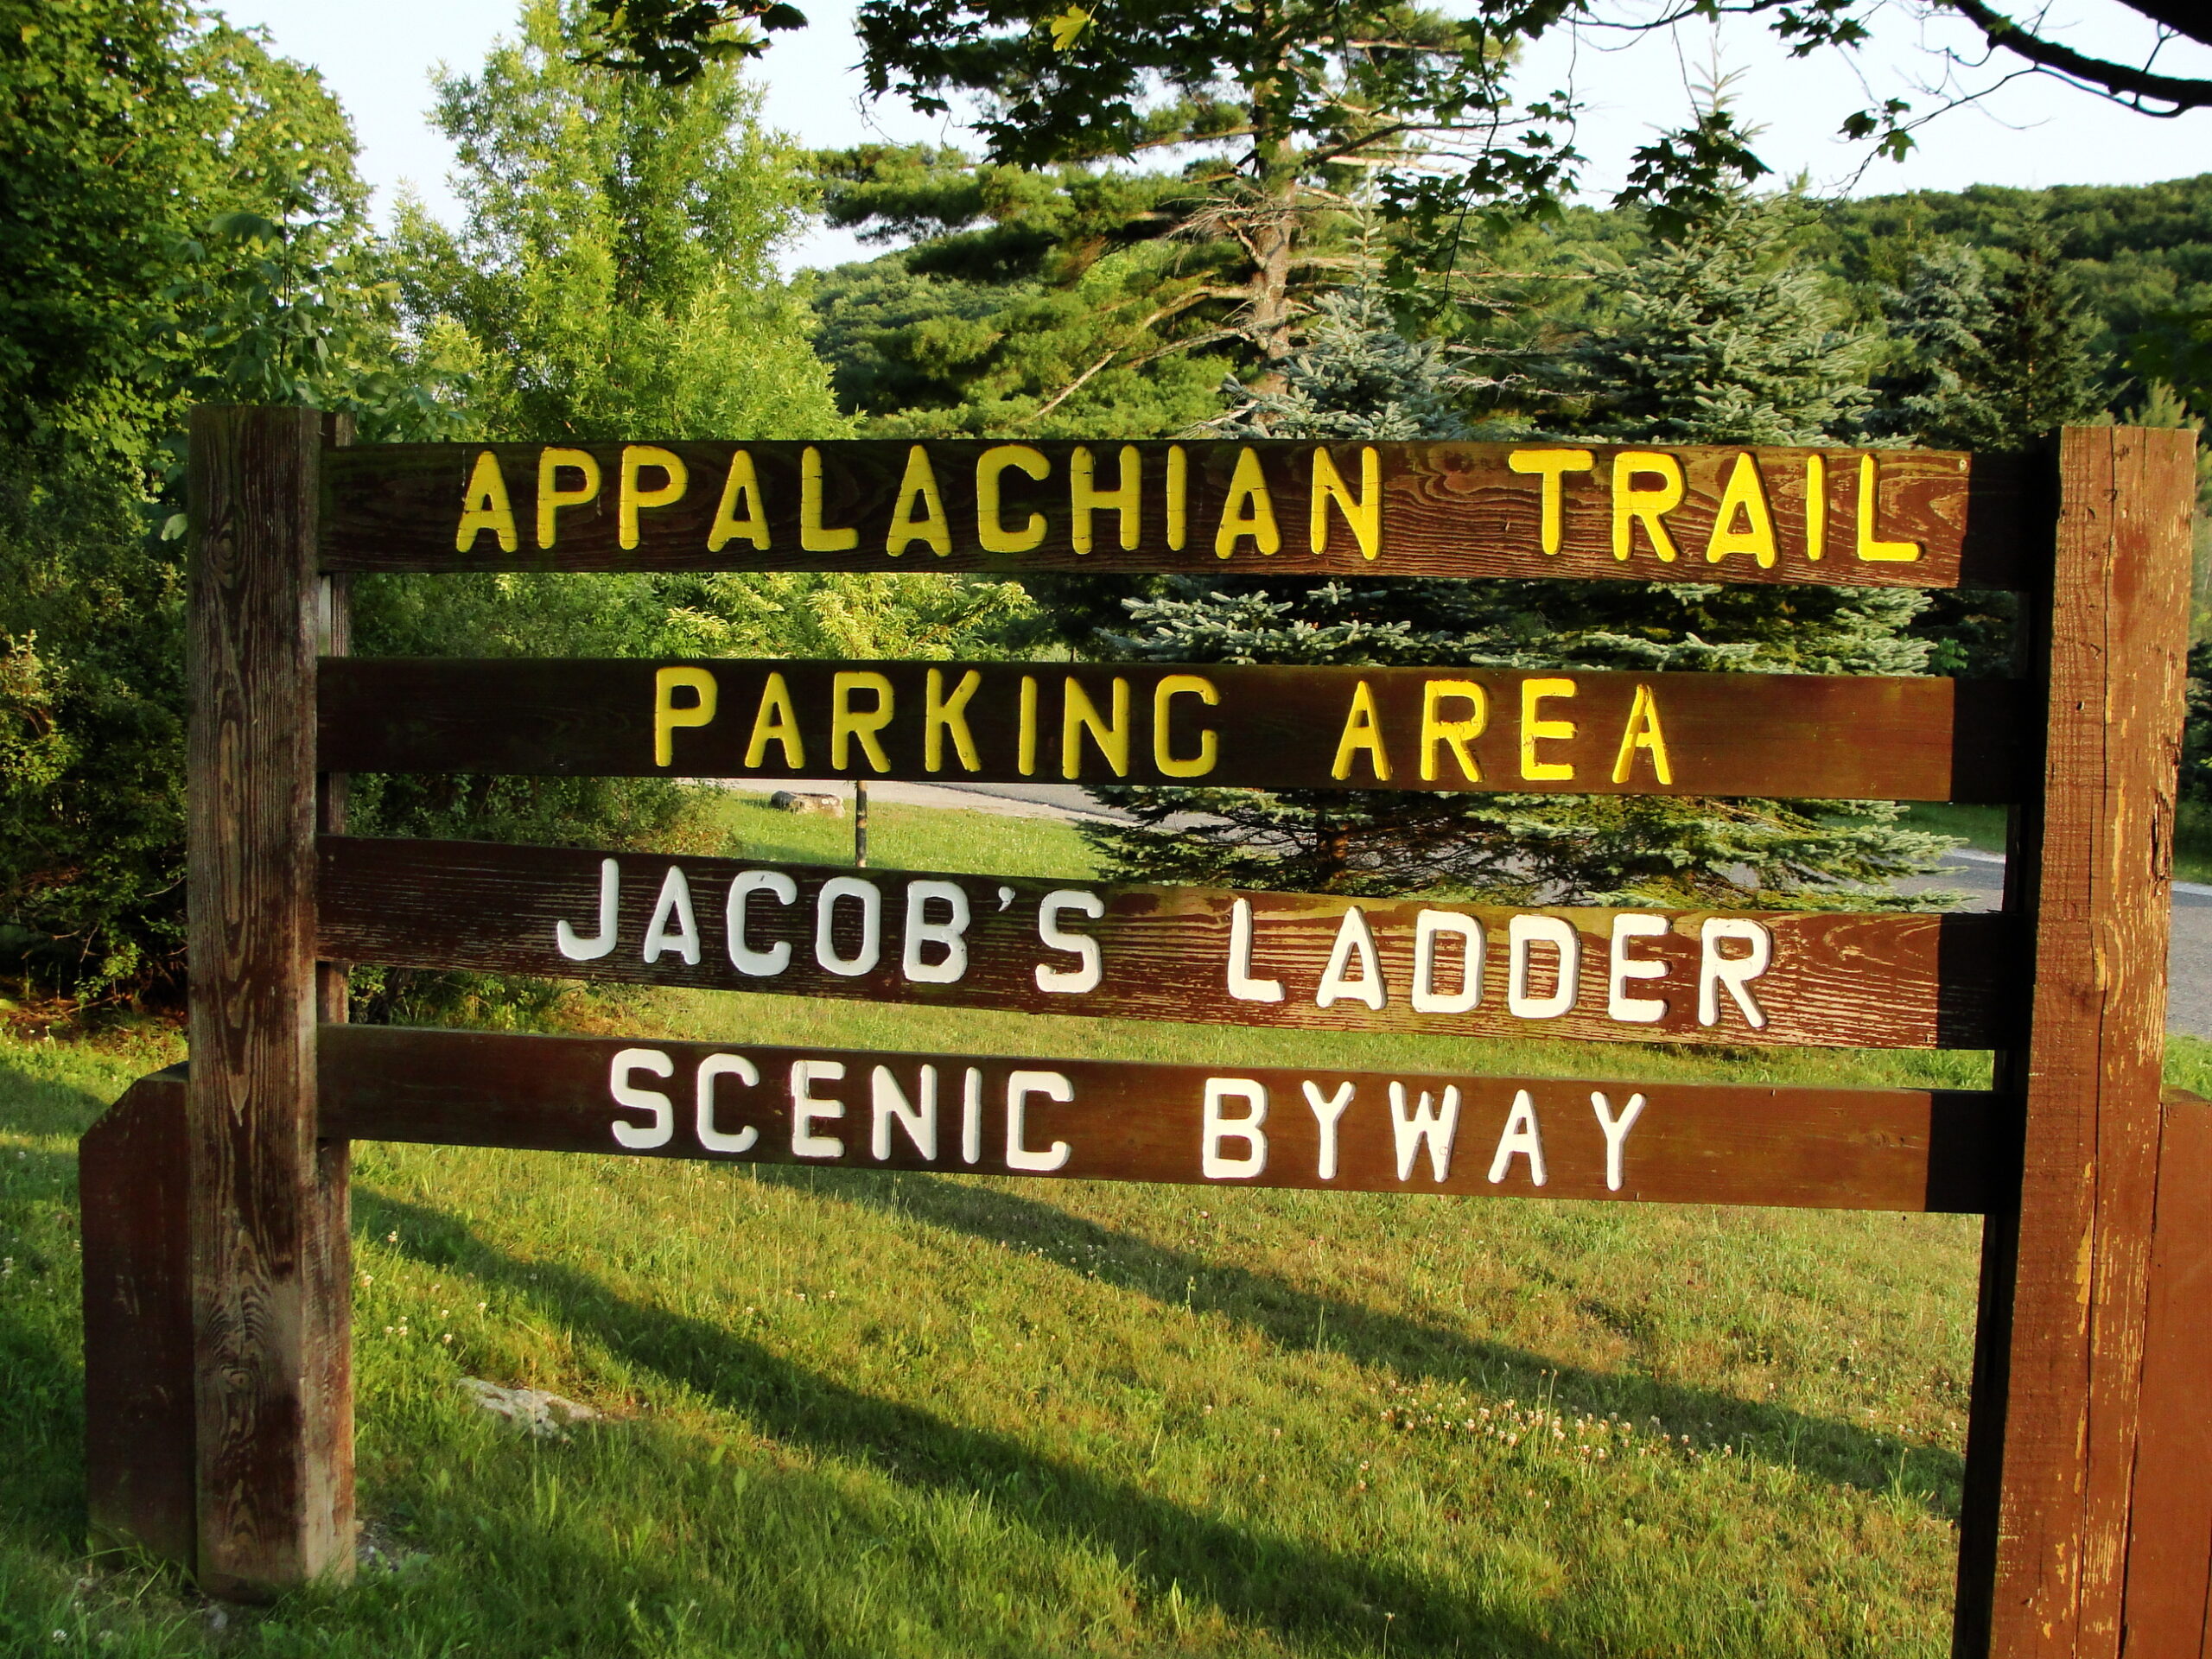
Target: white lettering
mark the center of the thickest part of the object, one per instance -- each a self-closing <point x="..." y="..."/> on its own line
<point x="722" y="1065"/>
<point x="1325" y="1115"/>
<point x="674" y="905"/>
<point x="642" y="1100"/>
<point x="1522" y="934"/>
<point x="1619" y="1005"/>
<point x="1438" y="1130"/>
<point x="761" y="964"/>
<point x="577" y="949"/>
<point x="807" y="1111"/>
<point x="1429" y="926"/>
<point x="972" y="1116"/>
<point x="1019" y="1085"/>
<point x="1737" y="973"/>
<point x="889" y="1102"/>
<point x="1076" y="980"/>
<point x="920" y="930"/>
<point x="1521" y="1140"/>
<point x="1242" y="985"/>
<point x="1246" y="1127"/>
<point x="1616" y="1129"/>
<point x="1354" y="939"/>
<point x="825" y="912"/>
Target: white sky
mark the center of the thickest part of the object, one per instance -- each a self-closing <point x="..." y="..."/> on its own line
<point x="377" y="56"/>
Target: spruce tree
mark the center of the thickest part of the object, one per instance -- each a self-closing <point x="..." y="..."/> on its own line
<point x="1713" y="339"/>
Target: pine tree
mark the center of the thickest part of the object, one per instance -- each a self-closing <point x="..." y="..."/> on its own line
<point x="1714" y="340"/>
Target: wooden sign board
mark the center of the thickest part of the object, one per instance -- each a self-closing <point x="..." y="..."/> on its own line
<point x="1881" y="518"/>
<point x="2084" y="1342"/>
<point x="1323" y="1129"/>
<point x="1206" y="956"/>
<point x="1799" y="736"/>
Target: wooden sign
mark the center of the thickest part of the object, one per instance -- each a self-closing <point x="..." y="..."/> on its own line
<point x="1881" y="518"/>
<point x="1798" y="736"/>
<point x="1193" y="954"/>
<point x="1321" y="1128"/>
<point x="220" y="1427"/>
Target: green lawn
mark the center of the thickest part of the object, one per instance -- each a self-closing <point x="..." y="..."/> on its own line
<point x="851" y="1413"/>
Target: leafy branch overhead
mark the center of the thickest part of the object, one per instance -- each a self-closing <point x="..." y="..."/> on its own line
<point x="1421" y="98"/>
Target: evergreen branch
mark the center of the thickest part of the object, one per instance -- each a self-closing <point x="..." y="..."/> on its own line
<point x="1138" y="362"/>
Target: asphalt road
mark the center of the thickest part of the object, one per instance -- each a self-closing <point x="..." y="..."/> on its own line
<point x="1981" y="875"/>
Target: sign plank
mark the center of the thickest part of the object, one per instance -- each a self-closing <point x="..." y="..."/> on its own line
<point x="1799" y="736"/>
<point x="1884" y="518"/>
<point x="1227" y="1126"/>
<point x="1193" y="954"/>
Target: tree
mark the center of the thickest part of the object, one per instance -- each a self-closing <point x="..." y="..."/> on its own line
<point x="1077" y="81"/>
<point x="1358" y="379"/>
<point x="181" y="221"/>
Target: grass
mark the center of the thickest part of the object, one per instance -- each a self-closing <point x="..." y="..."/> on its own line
<point x="854" y="1413"/>
<point x="1983" y="827"/>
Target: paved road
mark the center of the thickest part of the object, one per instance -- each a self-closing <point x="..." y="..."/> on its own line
<point x="1981" y="875"/>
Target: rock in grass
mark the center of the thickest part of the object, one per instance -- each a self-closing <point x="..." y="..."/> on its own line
<point x="545" y="1415"/>
<point x="824" y="806"/>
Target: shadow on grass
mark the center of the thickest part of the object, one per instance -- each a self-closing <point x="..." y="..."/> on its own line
<point x="1289" y="1588"/>
<point x="1297" y="1319"/>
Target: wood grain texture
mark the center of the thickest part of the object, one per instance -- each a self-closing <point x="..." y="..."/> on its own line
<point x="132" y="1171"/>
<point x="275" y="1492"/>
<point x="2102" y="845"/>
<point x="1799" y="736"/>
<point x="1448" y="509"/>
<point x="1844" y="980"/>
<point x="2169" y="1596"/>
<point x="1843" y="1148"/>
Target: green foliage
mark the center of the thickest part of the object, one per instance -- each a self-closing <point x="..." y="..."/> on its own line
<point x="1778" y="377"/>
<point x="1067" y="302"/>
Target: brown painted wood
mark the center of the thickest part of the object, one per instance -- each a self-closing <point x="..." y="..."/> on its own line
<point x="1836" y="980"/>
<point x="1830" y="1149"/>
<point x="139" y="1435"/>
<point x="1801" y="736"/>
<point x="1448" y="509"/>
<point x="275" y="1493"/>
<point x="2168" y="1596"/>
<point x="2118" y="633"/>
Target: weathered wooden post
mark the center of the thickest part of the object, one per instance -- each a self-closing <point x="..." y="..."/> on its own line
<point x="270" y="1299"/>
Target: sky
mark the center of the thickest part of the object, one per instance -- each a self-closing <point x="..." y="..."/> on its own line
<point x="379" y="55"/>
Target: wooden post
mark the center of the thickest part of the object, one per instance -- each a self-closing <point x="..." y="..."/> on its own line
<point x="2042" y="1565"/>
<point x="267" y="1217"/>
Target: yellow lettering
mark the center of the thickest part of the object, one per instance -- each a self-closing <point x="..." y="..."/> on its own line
<point x="1552" y="466"/>
<point x="814" y="535"/>
<point x="1745" y="497"/>
<point x="1172" y="686"/>
<point x="1364" y="514"/>
<point x="991" y="529"/>
<point x="1816" y="507"/>
<point x="1534" y="729"/>
<point x="941" y="715"/>
<point x="1025" y="759"/>
<point x="485" y="508"/>
<point x="1124" y="500"/>
<point x="1248" y="510"/>
<point x="1362" y="732"/>
<point x="776" y="722"/>
<point x="668" y="713"/>
<point x="847" y="722"/>
<point x="1079" y="714"/>
<point x="1871" y="550"/>
<point x="932" y="528"/>
<point x="1455" y="735"/>
<point x="1632" y="505"/>
<point x="1643" y="732"/>
<point x="551" y="497"/>
<point x="1178" y="498"/>
<point x="743" y="483"/>
<point x="630" y="499"/>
